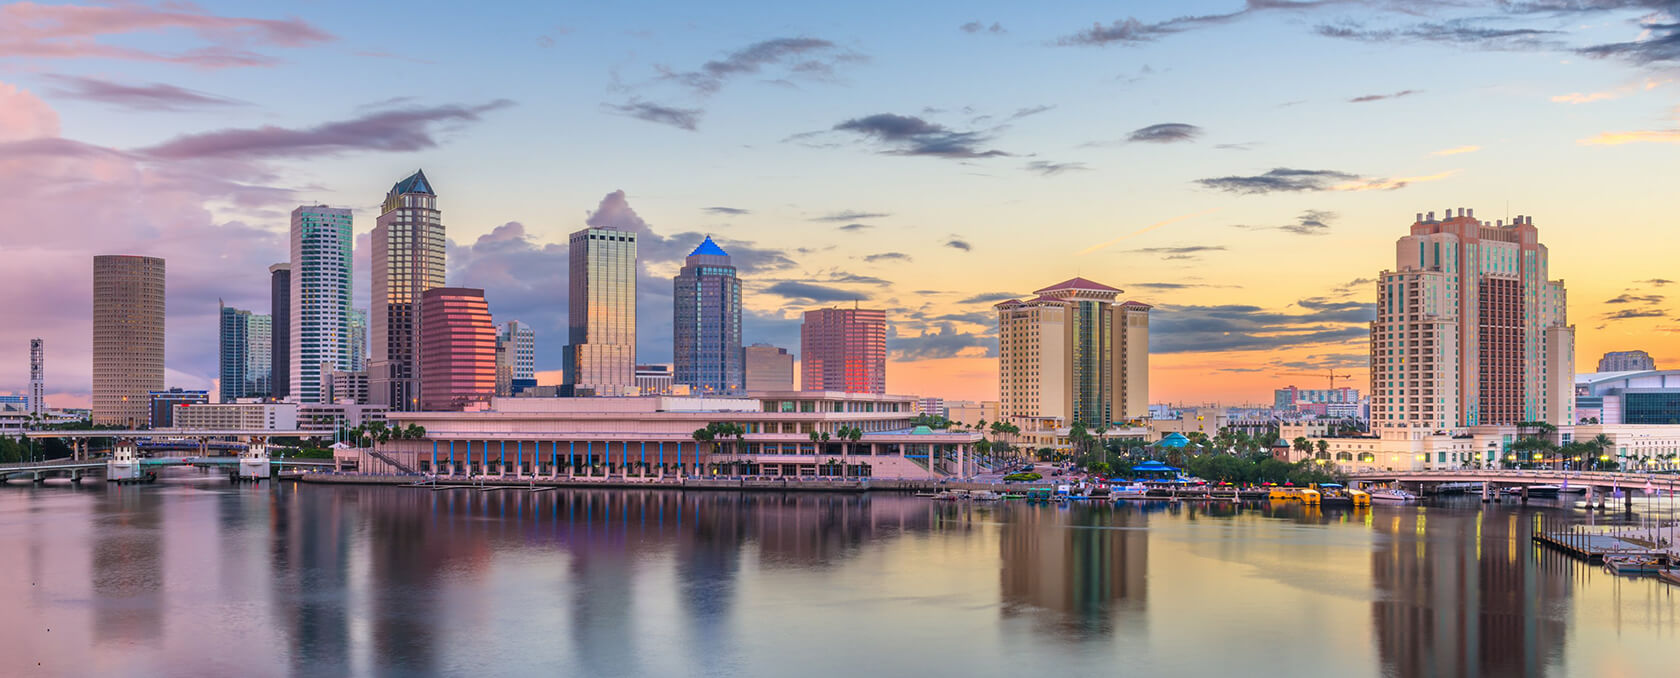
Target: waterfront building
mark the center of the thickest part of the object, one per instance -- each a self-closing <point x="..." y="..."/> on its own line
<point x="1073" y="354"/>
<point x="128" y="338"/>
<point x="600" y="358"/>
<point x="766" y="368"/>
<point x="1619" y="397"/>
<point x="1626" y="361"/>
<point x="280" y="336"/>
<point x="706" y="309"/>
<point x="161" y="410"/>
<point x="337" y="416"/>
<point x="457" y="349"/>
<point x="408" y="259"/>
<point x="654" y="380"/>
<point x="37" y="376"/>
<point x="844" y="349"/>
<point x="516" y="356"/>
<point x="236" y="417"/>
<point x="14" y="403"/>
<point x="321" y="278"/>
<point x="344" y="386"/>
<point x="246" y="354"/>
<point x="654" y="435"/>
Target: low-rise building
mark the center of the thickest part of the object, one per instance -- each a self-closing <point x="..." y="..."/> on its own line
<point x="236" y="417"/>
<point x="162" y="409"/>
<point x="337" y="416"/>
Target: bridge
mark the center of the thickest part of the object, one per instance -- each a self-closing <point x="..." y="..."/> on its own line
<point x="127" y="464"/>
<point x="1594" y="481"/>
<point x="203" y="440"/>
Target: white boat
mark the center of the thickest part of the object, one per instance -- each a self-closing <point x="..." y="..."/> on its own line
<point x="1132" y="491"/>
<point x="984" y="495"/>
<point x="1393" y="496"/>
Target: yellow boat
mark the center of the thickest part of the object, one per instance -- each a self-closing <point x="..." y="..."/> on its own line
<point x="1304" y="495"/>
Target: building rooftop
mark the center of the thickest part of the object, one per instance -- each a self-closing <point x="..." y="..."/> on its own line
<point x="708" y="248"/>
<point x="1077" y="284"/>
<point x="415" y="183"/>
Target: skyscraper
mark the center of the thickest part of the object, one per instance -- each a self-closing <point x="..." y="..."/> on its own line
<point x="280" y="340"/>
<point x="601" y="356"/>
<point x="358" y="339"/>
<point x="516" y="355"/>
<point x="259" y="356"/>
<point x="1073" y="354"/>
<point x="1626" y="361"/>
<point x="767" y="368"/>
<point x="457" y="349"/>
<point x="320" y="297"/>
<point x="706" y="308"/>
<point x="844" y="349"/>
<point x="128" y="326"/>
<point x="37" y="376"/>
<point x="1469" y="331"/>
<point x="408" y="259"/>
<point x="234" y="346"/>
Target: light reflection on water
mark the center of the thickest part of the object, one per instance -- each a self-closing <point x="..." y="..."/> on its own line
<point x="193" y="576"/>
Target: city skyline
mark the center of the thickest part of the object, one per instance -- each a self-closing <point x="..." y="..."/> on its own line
<point x="1189" y="201"/>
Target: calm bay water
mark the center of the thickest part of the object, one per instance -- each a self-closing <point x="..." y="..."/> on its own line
<point x="193" y="576"/>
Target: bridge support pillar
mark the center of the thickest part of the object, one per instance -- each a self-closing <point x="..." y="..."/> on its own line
<point x="76" y="476"/>
<point x="39" y="477"/>
<point x="1525" y="494"/>
<point x="1485" y="497"/>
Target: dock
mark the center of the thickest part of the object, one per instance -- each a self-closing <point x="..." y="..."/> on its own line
<point x="1593" y="547"/>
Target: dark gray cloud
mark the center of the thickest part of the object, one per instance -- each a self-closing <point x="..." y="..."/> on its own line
<point x="851" y="215"/>
<point x="1379" y="97"/>
<point x="1656" y="282"/>
<point x="731" y="211"/>
<point x="856" y="227"/>
<point x="942" y="340"/>
<point x="1048" y="168"/>
<point x="1170" y="285"/>
<point x="1330" y="310"/>
<point x="1131" y="31"/>
<point x="910" y="135"/>
<point x="1462" y="32"/>
<point x="1632" y="313"/>
<point x="680" y="118"/>
<point x="152" y="97"/>
<point x="1031" y="111"/>
<point x="1165" y="133"/>
<point x="1311" y="222"/>
<point x="978" y="27"/>
<point x="405" y="129"/>
<point x="887" y="256"/>
<point x="1661" y="46"/>
<point x="803" y="291"/>
<point x="989" y="298"/>
<point x="1240" y="327"/>
<point x="1635" y="299"/>
<point x="1279" y="180"/>
<point x="963" y="245"/>
<point x="810" y="58"/>
<point x="1184" y="253"/>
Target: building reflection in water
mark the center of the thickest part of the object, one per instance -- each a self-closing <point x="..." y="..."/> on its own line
<point x="1076" y="571"/>
<point x="1468" y="597"/>
<point x="127" y="568"/>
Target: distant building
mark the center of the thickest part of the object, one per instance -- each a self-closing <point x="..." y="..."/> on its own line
<point x="1626" y="361"/>
<point x="37" y="376"/>
<point x="246" y="354"/>
<point x="237" y="417"/>
<point x="1623" y="397"/>
<point x="161" y="412"/>
<point x="600" y="357"/>
<point x="930" y="406"/>
<point x="409" y="249"/>
<point x="1290" y="398"/>
<point x="516" y="356"/>
<point x="128" y="338"/>
<point x="320" y="298"/>
<point x="767" y="368"/>
<point x="654" y="379"/>
<point x="457" y="349"/>
<point x="1073" y="354"/>
<point x="337" y="416"/>
<point x="706" y="310"/>
<point x="972" y="411"/>
<point x="280" y="324"/>
<point x="844" y="349"/>
<point x="344" y="386"/>
<point x="358" y="339"/>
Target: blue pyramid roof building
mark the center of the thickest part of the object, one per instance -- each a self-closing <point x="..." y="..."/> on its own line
<point x="415" y="183"/>
<point x="708" y="248"/>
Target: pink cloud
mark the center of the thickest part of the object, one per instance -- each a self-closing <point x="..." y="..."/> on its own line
<point x="31" y="30"/>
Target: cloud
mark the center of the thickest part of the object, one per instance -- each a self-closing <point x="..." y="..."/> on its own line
<point x="811" y="292"/>
<point x="1311" y="222"/>
<point x="153" y="97"/>
<point x="1279" y="180"/>
<point x="1635" y="313"/>
<point x="1390" y="184"/>
<point x="1644" y="85"/>
<point x="680" y="118"/>
<point x="1658" y="282"/>
<point x="856" y="227"/>
<point x="1172" y="220"/>
<point x="942" y="341"/>
<point x="1164" y="286"/>
<point x="731" y="211"/>
<point x="1659" y="42"/>
<point x="1649" y="136"/>
<point x="1625" y="298"/>
<point x="1164" y="133"/>
<point x="910" y="135"/>
<point x="851" y="215"/>
<point x="1239" y="327"/>
<point x="1457" y="150"/>
<point x="1379" y="97"/>
<point x="887" y="256"/>
<point x="35" y="31"/>
<point x="988" y="297"/>
<point x="1131" y="31"/>
<point x="959" y="244"/>
<point x="1461" y="32"/>
<point x="802" y="57"/>
<point x="405" y="129"/>
<point x="1188" y="252"/>
<point x="1048" y="168"/>
<point x="977" y="27"/>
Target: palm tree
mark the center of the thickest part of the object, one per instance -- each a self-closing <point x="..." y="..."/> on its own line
<point x="1323" y="447"/>
<point x="1602" y="444"/>
<point x="847" y="435"/>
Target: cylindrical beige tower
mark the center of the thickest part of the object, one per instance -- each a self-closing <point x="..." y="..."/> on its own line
<point x="128" y="312"/>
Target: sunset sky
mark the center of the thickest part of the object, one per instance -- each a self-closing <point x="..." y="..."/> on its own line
<point x="1245" y="168"/>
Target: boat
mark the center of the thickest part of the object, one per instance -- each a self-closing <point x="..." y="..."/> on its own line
<point x="984" y="495"/>
<point x="1670" y="575"/>
<point x="1132" y="491"/>
<point x="1393" y="496"/>
<point x="1300" y="494"/>
<point x="1333" y="495"/>
<point x="1633" y="564"/>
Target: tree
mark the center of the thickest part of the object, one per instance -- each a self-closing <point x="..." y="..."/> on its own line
<point x="1323" y="448"/>
<point x="1304" y="446"/>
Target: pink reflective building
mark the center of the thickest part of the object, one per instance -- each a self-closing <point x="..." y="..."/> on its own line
<point x="844" y="349"/>
<point x="457" y="350"/>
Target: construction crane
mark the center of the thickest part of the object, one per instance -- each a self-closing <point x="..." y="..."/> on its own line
<point x="1331" y="373"/>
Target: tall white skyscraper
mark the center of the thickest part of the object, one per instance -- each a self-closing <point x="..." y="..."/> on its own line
<point x="320" y="299"/>
<point x="37" y="376"/>
<point x="601" y="356"/>
<point x="408" y="259"/>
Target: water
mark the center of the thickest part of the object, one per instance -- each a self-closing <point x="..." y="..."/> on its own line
<point x="193" y="576"/>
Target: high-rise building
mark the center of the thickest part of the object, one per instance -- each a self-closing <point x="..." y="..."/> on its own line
<point x="1073" y="354"/>
<point x="408" y="259"/>
<point x="320" y="298"/>
<point x="600" y="358"/>
<point x="457" y="349"/>
<point x="280" y="340"/>
<point x="128" y="337"/>
<point x="358" y="339"/>
<point x="844" y="349"/>
<point x="234" y="346"/>
<point x="37" y="376"/>
<point x="1469" y="331"/>
<point x="161" y="405"/>
<point x="767" y="368"/>
<point x="516" y="356"/>
<point x="259" y="356"/>
<point x="706" y="308"/>
<point x="1626" y="361"/>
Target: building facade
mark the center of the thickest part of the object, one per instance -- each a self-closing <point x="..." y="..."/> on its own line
<point x="767" y="368"/>
<point x="1626" y="361"/>
<point x="237" y="417"/>
<point x="128" y="338"/>
<point x="344" y="387"/>
<point x="516" y="356"/>
<point x="1469" y="331"/>
<point x="280" y="324"/>
<point x="1289" y="397"/>
<point x="358" y="339"/>
<point x="245" y="349"/>
<point x="654" y="380"/>
<point x="321" y="279"/>
<point x="844" y="349"/>
<point x="706" y="332"/>
<point x="37" y="376"/>
<point x="161" y="411"/>
<point x="408" y="259"/>
<point x="457" y="349"/>
<point x="600" y="358"/>
<point x="1073" y="354"/>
